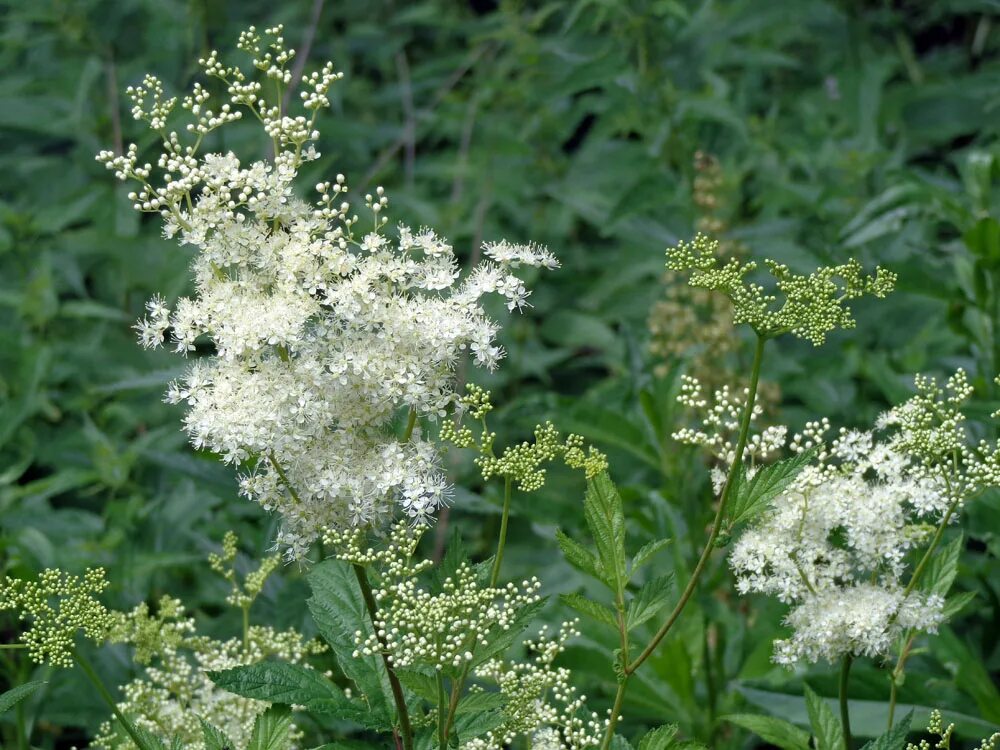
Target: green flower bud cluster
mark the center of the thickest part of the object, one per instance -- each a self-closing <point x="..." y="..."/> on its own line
<point x="932" y="427"/>
<point x="58" y="605"/>
<point x="813" y="305"/>
<point x="522" y="464"/>
<point x="242" y="594"/>
<point x="936" y="727"/>
<point x="152" y="635"/>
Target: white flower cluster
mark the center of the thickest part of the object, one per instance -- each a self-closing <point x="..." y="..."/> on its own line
<point x="321" y="333"/>
<point x="539" y="700"/>
<point x="175" y="690"/>
<point x="833" y="544"/>
<point x="720" y="423"/>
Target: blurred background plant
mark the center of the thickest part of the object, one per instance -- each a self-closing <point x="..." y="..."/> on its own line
<point x="811" y="132"/>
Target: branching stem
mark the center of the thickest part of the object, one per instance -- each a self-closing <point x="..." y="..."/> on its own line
<point x="719" y="515"/>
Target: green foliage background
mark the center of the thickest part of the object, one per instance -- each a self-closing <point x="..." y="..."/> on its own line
<point x="865" y="129"/>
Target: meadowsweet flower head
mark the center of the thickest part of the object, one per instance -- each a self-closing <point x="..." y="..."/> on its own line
<point x="812" y="305"/>
<point x="58" y="605"/>
<point x="323" y="326"/>
<point x="833" y="544"/>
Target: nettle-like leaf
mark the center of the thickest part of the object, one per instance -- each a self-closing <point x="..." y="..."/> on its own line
<point x="293" y="684"/>
<point x="955" y="604"/>
<point x="420" y="683"/>
<point x="271" y="730"/>
<point x="750" y="497"/>
<point x="943" y="568"/>
<point x="14" y="696"/>
<point x="339" y="612"/>
<point x="649" y="600"/>
<point x="661" y="738"/>
<point x="602" y="508"/>
<point x="590" y="608"/>
<point x="580" y="557"/>
<point x="895" y="738"/>
<point x="826" y="727"/>
<point x="215" y="738"/>
<point x="646" y="552"/>
<point x="778" y="732"/>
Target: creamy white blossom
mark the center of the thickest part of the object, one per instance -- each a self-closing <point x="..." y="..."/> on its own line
<point x="834" y="543"/>
<point x="320" y="334"/>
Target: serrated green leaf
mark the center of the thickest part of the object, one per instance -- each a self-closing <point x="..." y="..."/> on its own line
<point x="750" y="497"/>
<point x="15" y="695"/>
<point x="339" y="611"/>
<point x="895" y="738"/>
<point x="479" y="701"/>
<point x="215" y="738"/>
<point x="475" y="724"/>
<point x="778" y="732"/>
<point x="956" y="603"/>
<point x="589" y="607"/>
<point x="661" y="738"/>
<point x="422" y="685"/>
<point x="271" y="729"/>
<point x="825" y="726"/>
<point x="294" y="684"/>
<point x="602" y="508"/>
<point x="648" y="600"/>
<point x="579" y="556"/>
<point x="646" y="553"/>
<point x="943" y="567"/>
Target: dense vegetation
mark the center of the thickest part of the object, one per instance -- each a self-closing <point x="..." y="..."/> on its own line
<point x="810" y="133"/>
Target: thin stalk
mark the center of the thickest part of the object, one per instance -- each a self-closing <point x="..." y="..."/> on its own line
<point x="106" y="696"/>
<point x="616" y="710"/>
<point x="442" y="731"/>
<point x="13" y="645"/>
<point x="922" y="565"/>
<point x="502" y="541"/>
<point x="397" y="689"/>
<point x="894" y="676"/>
<point x="246" y="629"/>
<point x="737" y="466"/>
<point x="845" y="712"/>
<point x="411" y="422"/>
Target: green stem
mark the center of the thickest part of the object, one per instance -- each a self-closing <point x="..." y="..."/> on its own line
<point x="845" y="713"/>
<point x="894" y="676"/>
<point x="411" y="422"/>
<point x="922" y="565"/>
<point x="736" y="467"/>
<point x="616" y="710"/>
<point x="103" y="692"/>
<point x="502" y="541"/>
<point x="246" y="629"/>
<point x="12" y="645"/>
<point x="442" y="731"/>
<point x="397" y="689"/>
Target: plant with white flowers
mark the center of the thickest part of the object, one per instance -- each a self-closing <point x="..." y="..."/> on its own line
<point x="325" y="346"/>
<point x="321" y="330"/>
